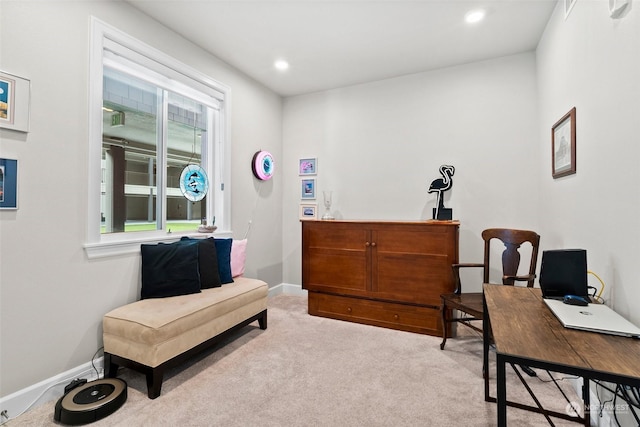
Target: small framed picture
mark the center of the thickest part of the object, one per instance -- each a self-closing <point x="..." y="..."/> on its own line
<point x="308" y="211"/>
<point x="8" y="184"/>
<point x="308" y="166"/>
<point x="14" y="102"/>
<point x="308" y="188"/>
<point x="563" y="145"/>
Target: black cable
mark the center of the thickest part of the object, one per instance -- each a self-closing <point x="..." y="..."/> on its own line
<point x="602" y="404"/>
<point x="559" y="388"/>
<point x="93" y="364"/>
<point x="627" y="399"/>
<point x="552" y="378"/>
<point x="636" y="394"/>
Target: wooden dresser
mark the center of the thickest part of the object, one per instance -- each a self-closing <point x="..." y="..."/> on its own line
<point x="383" y="273"/>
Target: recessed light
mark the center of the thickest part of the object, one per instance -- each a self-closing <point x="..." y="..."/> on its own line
<point x="474" y="16"/>
<point x="281" y="64"/>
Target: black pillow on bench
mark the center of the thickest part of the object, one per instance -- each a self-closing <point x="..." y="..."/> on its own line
<point x="169" y="270"/>
<point x="207" y="261"/>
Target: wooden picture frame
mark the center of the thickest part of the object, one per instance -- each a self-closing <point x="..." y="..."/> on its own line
<point x="563" y="145"/>
<point x="14" y="102"/>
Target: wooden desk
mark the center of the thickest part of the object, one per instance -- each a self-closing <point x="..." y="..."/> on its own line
<point x="526" y="332"/>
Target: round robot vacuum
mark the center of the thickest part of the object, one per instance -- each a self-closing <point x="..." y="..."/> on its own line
<point x="91" y="402"/>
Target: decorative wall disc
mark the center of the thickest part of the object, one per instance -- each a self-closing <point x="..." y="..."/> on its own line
<point x="194" y="183"/>
<point x="262" y="165"/>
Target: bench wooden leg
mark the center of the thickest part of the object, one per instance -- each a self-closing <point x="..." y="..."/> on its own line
<point x="154" y="382"/>
<point x="110" y="368"/>
<point x="262" y="320"/>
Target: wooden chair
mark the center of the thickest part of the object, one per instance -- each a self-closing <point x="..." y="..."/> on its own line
<point x="471" y="303"/>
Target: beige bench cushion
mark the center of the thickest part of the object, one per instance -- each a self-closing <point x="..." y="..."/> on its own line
<point x="152" y="331"/>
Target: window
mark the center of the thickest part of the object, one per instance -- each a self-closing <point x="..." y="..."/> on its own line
<point x="150" y="118"/>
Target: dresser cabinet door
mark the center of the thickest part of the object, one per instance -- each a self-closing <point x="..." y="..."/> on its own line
<point x="336" y="258"/>
<point x="412" y="263"/>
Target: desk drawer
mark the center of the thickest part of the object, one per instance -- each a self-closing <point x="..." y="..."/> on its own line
<point x="423" y="320"/>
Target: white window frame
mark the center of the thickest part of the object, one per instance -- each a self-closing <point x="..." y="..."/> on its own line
<point x="105" y="37"/>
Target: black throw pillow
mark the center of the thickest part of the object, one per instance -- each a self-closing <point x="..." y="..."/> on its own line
<point x="169" y="270"/>
<point x="207" y="262"/>
<point x="223" y="249"/>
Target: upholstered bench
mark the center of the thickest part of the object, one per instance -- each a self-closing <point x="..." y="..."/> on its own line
<point x="154" y="334"/>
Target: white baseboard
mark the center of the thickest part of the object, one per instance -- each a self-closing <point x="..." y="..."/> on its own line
<point x="33" y="396"/>
<point x="288" y="289"/>
<point x="50" y="389"/>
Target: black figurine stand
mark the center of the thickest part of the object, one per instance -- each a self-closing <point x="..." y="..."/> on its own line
<point x="443" y="214"/>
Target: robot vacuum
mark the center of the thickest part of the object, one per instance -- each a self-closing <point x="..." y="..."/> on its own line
<point x="91" y="402"/>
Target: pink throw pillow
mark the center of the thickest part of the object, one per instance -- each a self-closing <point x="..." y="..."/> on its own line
<point x="238" y="257"/>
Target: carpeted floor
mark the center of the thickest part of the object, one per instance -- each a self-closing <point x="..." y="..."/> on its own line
<point x="311" y="371"/>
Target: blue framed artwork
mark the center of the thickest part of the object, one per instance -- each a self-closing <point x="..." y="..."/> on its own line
<point x="308" y="189"/>
<point x="309" y="211"/>
<point x="14" y="102"/>
<point x="8" y="184"/>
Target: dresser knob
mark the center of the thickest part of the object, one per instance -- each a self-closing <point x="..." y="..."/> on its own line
<point x="395" y="316"/>
<point x="367" y="244"/>
<point x="373" y="243"/>
<point x="349" y="309"/>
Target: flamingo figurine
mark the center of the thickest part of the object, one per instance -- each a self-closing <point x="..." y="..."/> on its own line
<point x="439" y="186"/>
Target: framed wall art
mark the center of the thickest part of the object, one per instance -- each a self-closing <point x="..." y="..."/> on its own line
<point x="563" y="145"/>
<point x="308" y="211"/>
<point x="308" y="189"/>
<point x="14" y="102"/>
<point x="8" y="184"/>
<point x="307" y="166"/>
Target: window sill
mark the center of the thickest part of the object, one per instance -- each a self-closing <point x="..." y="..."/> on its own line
<point x="116" y="247"/>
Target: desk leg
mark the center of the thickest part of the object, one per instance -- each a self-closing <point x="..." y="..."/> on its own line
<point x="486" y="334"/>
<point x="586" y="399"/>
<point x="501" y="380"/>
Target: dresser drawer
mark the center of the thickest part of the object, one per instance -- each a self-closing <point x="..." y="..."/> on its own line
<point x="423" y="320"/>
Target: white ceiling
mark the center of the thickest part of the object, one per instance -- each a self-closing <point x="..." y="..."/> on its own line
<point x="336" y="43"/>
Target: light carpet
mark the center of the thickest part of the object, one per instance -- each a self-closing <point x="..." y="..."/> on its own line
<point x="311" y="371"/>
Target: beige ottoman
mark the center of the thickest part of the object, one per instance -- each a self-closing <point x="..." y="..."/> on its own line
<point x="152" y="335"/>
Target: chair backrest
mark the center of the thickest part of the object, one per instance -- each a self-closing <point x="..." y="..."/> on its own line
<point x="512" y="240"/>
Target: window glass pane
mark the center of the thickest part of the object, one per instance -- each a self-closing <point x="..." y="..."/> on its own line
<point x="129" y="153"/>
<point x="186" y="137"/>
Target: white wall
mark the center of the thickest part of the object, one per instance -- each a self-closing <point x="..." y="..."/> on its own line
<point x="52" y="296"/>
<point x="592" y="62"/>
<point x="380" y="145"/>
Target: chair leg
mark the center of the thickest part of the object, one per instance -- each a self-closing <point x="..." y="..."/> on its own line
<point x="443" y="318"/>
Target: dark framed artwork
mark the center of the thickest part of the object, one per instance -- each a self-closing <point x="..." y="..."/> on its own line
<point x="8" y="184"/>
<point x="563" y="145"/>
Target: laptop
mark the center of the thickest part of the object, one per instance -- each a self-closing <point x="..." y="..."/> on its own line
<point x="563" y="272"/>
<point x="594" y="318"/>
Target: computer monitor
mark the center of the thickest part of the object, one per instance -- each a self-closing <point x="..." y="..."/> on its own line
<point x="564" y="272"/>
